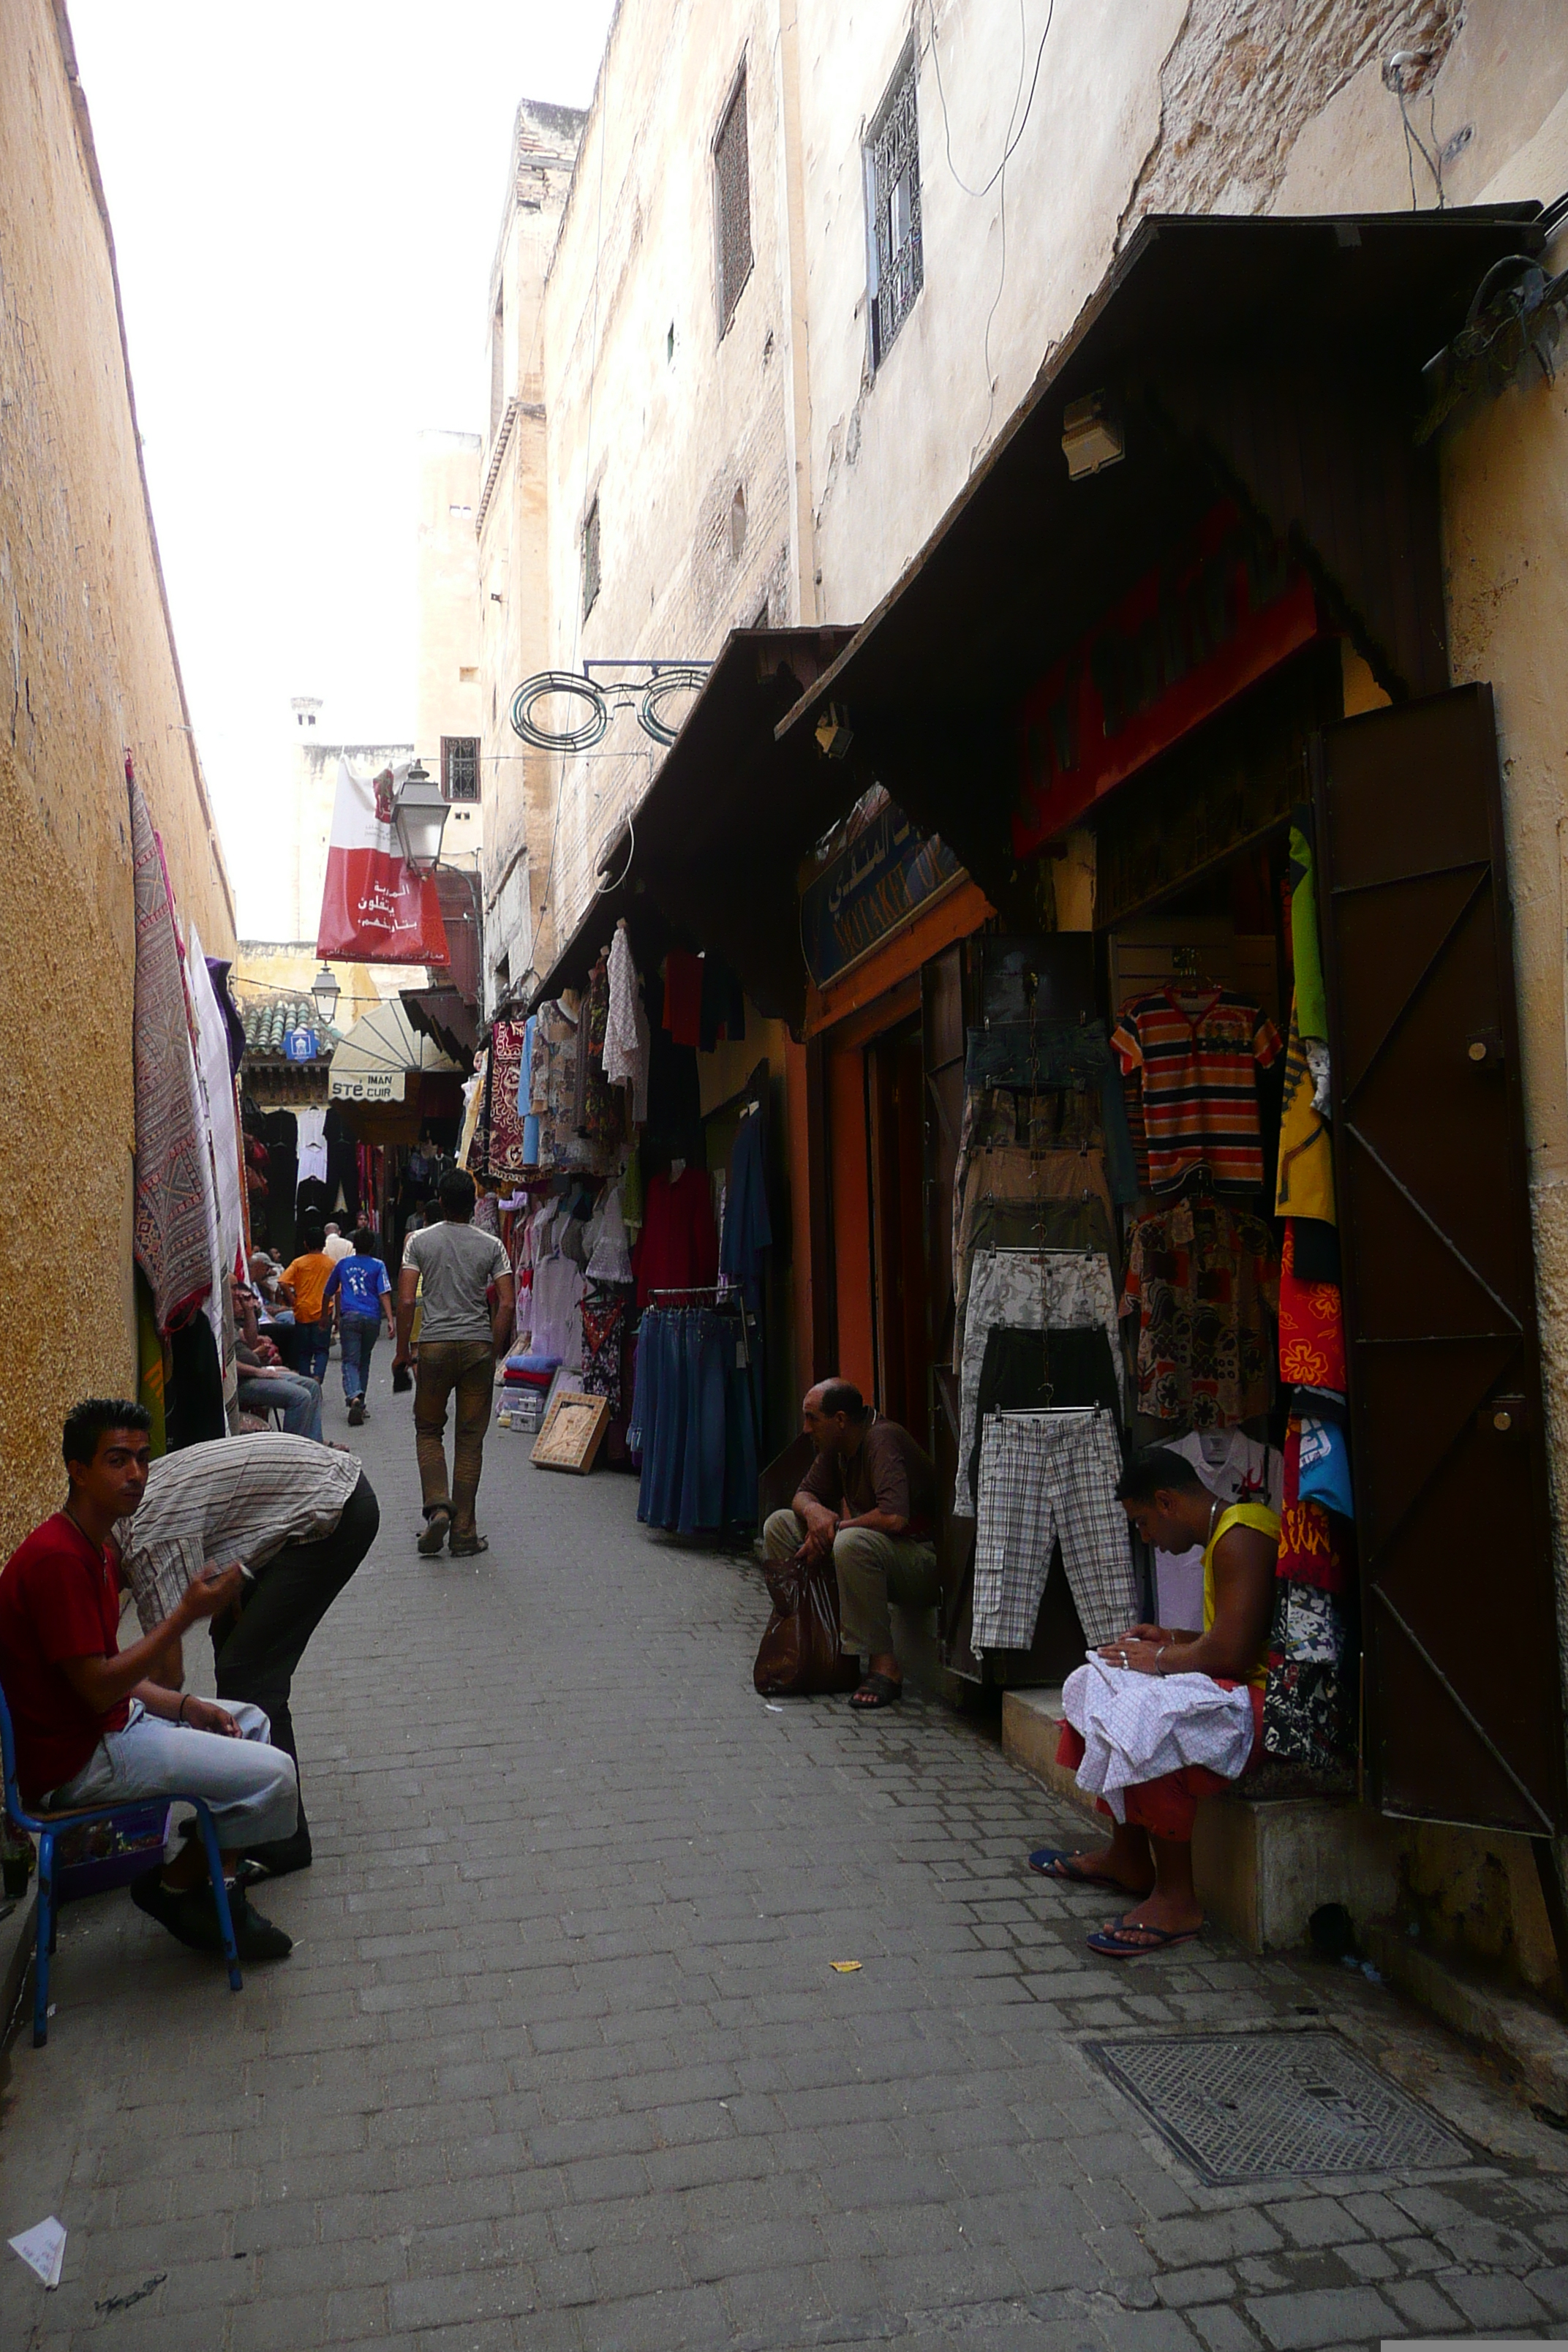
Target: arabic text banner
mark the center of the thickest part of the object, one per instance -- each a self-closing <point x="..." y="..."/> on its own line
<point x="888" y="873"/>
<point x="373" y="910"/>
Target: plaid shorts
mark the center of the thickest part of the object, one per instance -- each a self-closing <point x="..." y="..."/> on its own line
<point x="1046" y="1478"/>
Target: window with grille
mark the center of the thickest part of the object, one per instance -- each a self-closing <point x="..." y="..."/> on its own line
<point x="591" y="560"/>
<point x="459" y="767"/>
<point x="732" y="204"/>
<point x="893" y="208"/>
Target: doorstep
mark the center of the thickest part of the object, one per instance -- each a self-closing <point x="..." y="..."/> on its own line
<point x="1513" y="2024"/>
<point x="1261" y="1870"/>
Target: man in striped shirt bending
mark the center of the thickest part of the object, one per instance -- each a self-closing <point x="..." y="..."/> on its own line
<point x="298" y="1518"/>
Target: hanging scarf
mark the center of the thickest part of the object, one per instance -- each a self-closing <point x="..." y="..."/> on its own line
<point x="173" y="1225"/>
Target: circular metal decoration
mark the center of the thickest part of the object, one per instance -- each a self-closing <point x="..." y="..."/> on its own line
<point x="533" y="690"/>
<point x="650" y="711"/>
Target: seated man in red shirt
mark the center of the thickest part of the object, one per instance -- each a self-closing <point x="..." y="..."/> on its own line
<point x="91" y="1727"/>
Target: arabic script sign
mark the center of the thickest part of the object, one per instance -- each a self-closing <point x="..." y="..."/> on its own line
<point x="1219" y="613"/>
<point x="888" y="873"/>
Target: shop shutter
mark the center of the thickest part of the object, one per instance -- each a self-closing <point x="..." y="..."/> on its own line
<point x="1463" y="1717"/>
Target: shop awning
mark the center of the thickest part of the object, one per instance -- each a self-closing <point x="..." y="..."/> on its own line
<point x="379" y="1055"/>
<point x="1274" y="363"/>
<point x="711" y="853"/>
<point x="446" y="1016"/>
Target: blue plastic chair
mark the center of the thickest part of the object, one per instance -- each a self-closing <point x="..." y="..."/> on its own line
<point x="47" y="1826"/>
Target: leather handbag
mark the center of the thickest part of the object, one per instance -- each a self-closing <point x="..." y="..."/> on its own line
<point x="800" y="1656"/>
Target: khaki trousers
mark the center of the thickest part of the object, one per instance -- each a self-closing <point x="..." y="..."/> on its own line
<point x="467" y="1367"/>
<point x="872" y="1571"/>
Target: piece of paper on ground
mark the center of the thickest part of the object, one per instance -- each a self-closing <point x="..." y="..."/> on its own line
<point x="43" y="2249"/>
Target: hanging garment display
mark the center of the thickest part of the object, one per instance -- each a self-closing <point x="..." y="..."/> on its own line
<point x="312" y="1145"/>
<point x="693" y="1420"/>
<point x="1197" y="1054"/>
<point x="505" y="1154"/>
<point x="1025" y="1290"/>
<point x="724" y="1005"/>
<point x="1306" y="956"/>
<point x="1067" y="1056"/>
<point x="1202" y="1281"/>
<point x="748" y="1228"/>
<point x="1304" y="1181"/>
<point x="1026" y="1371"/>
<point x="621" y="1056"/>
<point x="1312" y="1326"/>
<point x="683" y="997"/>
<point x="174" y="1215"/>
<point x="679" y="1248"/>
<point x="609" y="1260"/>
<point x="1049" y="1478"/>
<point x="374" y="907"/>
<point x="1021" y="1178"/>
<point x="603" y="1321"/>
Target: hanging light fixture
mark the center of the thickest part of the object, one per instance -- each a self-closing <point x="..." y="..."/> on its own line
<point x="325" y="992"/>
<point x="420" y="813"/>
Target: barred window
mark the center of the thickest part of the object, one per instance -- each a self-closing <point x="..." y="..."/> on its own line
<point x="893" y="208"/>
<point x="459" y="767"/>
<point x="733" y="205"/>
<point x="591" y="560"/>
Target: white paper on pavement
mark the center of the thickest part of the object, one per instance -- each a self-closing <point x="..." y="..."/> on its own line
<point x="43" y="2249"/>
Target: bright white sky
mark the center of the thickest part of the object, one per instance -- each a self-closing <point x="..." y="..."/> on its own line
<point x="306" y="199"/>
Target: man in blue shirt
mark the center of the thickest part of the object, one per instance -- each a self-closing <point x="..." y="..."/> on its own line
<point x="359" y="1291"/>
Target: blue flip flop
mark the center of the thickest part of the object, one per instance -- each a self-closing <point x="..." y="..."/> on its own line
<point x="1114" y="1941"/>
<point x="1054" y="1862"/>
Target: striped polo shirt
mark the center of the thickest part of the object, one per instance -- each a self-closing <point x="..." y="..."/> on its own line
<point x="1197" y="1054"/>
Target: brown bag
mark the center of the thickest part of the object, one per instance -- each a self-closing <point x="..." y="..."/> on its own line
<point x="800" y="1656"/>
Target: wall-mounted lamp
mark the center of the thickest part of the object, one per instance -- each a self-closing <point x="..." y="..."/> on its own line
<point x="420" y="813"/>
<point x="1091" y="437"/>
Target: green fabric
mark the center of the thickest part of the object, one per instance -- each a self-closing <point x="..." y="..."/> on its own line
<point x="1311" y="1004"/>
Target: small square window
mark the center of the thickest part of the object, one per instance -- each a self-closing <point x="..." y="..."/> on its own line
<point x="893" y="251"/>
<point x="732" y="204"/>
<point x="591" y="560"/>
<point x="459" y="767"/>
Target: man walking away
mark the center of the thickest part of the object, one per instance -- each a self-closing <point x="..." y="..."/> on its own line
<point x="868" y="1499"/>
<point x="94" y="1725"/>
<point x="298" y="1518"/>
<point x="300" y="1287"/>
<point x="337" y="1249"/>
<point x="362" y="1291"/>
<point x="460" y="1336"/>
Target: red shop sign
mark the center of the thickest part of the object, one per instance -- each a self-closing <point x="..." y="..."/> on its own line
<point x="1194" y="631"/>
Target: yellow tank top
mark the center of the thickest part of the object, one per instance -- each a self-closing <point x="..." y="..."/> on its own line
<point x="1238" y="1515"/>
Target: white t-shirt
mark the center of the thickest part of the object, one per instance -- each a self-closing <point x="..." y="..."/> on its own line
<point x="336" y="1247"/>
<point x="457" y="1265"/>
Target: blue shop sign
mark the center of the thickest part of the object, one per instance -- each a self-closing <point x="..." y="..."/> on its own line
<point x="888" y="873"/>
<point x="299" y="1045"/>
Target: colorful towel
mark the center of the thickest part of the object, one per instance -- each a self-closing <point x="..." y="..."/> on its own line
<point x="173" y="1218"/>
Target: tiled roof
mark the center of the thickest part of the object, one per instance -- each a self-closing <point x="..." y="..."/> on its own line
<point x="266" y="1018"/>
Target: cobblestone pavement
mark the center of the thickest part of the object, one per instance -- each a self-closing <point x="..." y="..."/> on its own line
<point x="560" y="2059"/>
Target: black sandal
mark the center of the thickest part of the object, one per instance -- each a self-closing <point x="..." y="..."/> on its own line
<point x="876" y="1691"/>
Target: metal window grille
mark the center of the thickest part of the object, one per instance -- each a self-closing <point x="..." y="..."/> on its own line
<point x="591" y="560"/>
<point x="732" y="204"/>
<point x="459" y="767"/>
<point x="893" y="202"/>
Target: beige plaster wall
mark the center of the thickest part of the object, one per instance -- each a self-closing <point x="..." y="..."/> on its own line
<point x="447" y="695"/>
<point x="87" y="671"/>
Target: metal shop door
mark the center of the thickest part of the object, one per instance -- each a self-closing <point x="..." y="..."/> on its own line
<point x="1463" y="1711"/>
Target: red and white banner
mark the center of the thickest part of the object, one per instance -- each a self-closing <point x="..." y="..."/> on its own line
<point x="373" y="910"/>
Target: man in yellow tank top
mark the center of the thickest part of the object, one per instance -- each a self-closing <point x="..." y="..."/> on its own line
<point x="1151" y="1852"/>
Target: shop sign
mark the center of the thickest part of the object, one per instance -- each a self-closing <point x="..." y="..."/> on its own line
<point x="888" y="873"/>
<point x="368" y="1085"/>
<point x="1226" y="608"/>
<point x="299" y="1045"/>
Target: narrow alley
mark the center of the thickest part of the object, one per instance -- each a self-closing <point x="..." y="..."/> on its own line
<point x="561" y="2059"/>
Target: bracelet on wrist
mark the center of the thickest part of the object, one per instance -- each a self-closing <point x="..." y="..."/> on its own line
<point x="180" y="1715"/>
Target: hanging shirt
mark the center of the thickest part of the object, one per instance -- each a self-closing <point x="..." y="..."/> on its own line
<point x="1203" y="1282"/>
<point x="680" y="1247"/>
<point x="312" y="1145"/>
<point x="1198" y="1054"/>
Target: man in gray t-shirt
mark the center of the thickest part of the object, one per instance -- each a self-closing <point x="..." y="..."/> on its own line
<point x="459" y="1273"/>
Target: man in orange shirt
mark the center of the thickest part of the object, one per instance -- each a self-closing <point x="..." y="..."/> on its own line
<point x="301" y="1287"/>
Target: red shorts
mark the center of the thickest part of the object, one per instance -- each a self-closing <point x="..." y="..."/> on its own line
<point x="1168" y="1807"/>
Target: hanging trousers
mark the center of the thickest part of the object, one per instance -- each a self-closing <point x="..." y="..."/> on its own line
<point x="1047" y="1479"/>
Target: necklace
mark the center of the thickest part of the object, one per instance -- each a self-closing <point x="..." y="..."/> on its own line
<point x="1213" y="1514"/>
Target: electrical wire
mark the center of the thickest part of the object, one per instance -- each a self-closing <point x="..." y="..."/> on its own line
<point x="1012" y="142"/>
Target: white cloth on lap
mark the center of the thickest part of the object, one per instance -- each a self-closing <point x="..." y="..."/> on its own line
<point x="1137" y="1728"/>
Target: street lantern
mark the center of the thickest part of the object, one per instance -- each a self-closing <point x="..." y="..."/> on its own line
<point x="324" y="989"/>
<point x="420" y="813"/>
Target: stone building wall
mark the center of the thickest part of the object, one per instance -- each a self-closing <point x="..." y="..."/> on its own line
<point x="87" y="671"/>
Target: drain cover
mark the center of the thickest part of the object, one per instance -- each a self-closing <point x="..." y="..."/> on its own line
<point x="1271" y="2107"/>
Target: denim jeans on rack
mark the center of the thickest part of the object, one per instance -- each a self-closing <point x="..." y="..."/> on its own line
<point x="706" y="1340"/>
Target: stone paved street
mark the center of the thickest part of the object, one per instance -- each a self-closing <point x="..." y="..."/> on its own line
<point x="560" y="2059"/>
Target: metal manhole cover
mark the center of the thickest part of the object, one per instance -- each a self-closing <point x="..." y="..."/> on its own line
<point x="1269" y="2106"/>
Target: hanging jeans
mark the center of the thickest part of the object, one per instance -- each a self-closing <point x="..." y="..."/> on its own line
<point x="692" y="1422"/>
<point x="357" y="1335"/>
<point x="1046" y="1478"/>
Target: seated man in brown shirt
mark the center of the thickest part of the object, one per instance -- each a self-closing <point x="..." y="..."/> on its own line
<point x="869" y="1497"/>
